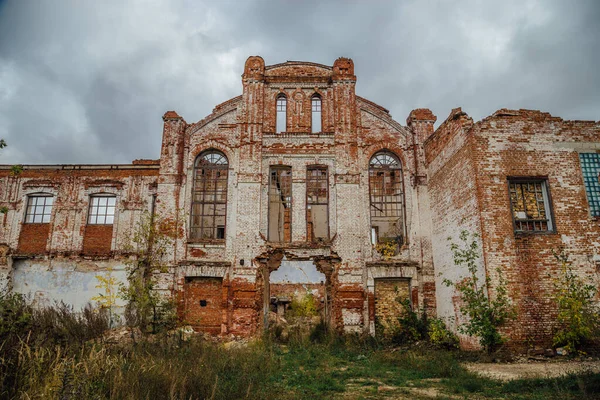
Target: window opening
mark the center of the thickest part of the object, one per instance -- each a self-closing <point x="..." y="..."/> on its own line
<point x="590" y="168"/>
<point x="317" y="203"/>
<point x="316" y="114"/>
<point x="280" y="204"/>
<point x="209" y="196"/>
<point x="102" y="210"/>
<point x="39" y="208"/>
<point x="530" y="205"/>
<point x="281" y="123"/>
<point x="386" y="200"/>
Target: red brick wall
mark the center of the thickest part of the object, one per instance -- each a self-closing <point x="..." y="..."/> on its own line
<point x="97" y="239"/>
<point x="33" y="238"/>
<point x="205" y="302"/>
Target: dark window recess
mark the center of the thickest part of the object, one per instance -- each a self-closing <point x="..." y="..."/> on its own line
<point x="209" y="196"/>
<point x="530" y="205"/>
<point x="317" y="203"/>
<point x="203" y="303"/>
<point x="280" y="204"/>
<point x="386" y="193"/>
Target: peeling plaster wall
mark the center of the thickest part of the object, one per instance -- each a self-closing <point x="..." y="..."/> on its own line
<point x="71" y="282"/>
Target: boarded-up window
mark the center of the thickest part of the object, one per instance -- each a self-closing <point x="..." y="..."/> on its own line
<point x="530" y="205"/>
<point x="316" y="114"/>
<point x="389" y="295"/>
<point x="209" y="196"/>
<point x="281" y="122"/>
<point x="317" y="203"/>
<point x="204" y="301"/>
<point x="386" y="198"/>
<point x="280" y="204"/>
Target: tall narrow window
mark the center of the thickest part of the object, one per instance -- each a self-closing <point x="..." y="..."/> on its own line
<point x="209" y="196"/>
<point x="317" y="201"/>
<point x="530" y="205"/>
<point x="39" y="207"/>
<point x="281" y="114"/>
<point x="280" y="204"/>
<point x="102" y="209"/>
<point x="387" y="199"/>
<point x="316" y="114"/>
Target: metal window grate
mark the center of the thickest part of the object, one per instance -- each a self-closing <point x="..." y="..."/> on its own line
<point x="102" y="210"/>
<point x="530" y="206"/>
<point x="39" y="209"/>
<point x="209" y="196"/>
<point x="590" y="168"/>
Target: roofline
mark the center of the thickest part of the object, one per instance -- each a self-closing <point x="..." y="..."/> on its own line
<point x="267" y="67"/>
<point x="74" y="167"/>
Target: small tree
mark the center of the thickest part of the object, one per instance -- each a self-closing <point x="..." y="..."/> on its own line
<point x="108" y="299"/>
<point x="578" y="316"/>
<point x="485" y="315"/>
<point x="148" y="243"/>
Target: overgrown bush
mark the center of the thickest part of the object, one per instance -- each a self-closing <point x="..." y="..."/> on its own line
<point x="485" y="315"/>
<point x="440" y="336"/>
<point x="578" y="316"/>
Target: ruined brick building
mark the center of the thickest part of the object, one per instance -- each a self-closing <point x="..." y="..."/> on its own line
<point x="298" y="173"/>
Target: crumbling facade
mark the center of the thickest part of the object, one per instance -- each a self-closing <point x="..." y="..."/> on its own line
<point x="298" y="184"/>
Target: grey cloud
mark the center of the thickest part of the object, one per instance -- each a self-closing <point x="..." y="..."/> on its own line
<point x="89" y="81"/>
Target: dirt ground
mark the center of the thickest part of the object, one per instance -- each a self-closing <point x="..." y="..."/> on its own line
<point x="532" y="369"/>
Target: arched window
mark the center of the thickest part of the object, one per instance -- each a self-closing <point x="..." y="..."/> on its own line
<point x="209" y="196"/>
<point x="316" y="113"/>
<point x="386" y="198"/>
<point x="281" y="123"/>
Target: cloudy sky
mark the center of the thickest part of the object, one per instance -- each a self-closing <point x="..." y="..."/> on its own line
<point x="86" y="81"/>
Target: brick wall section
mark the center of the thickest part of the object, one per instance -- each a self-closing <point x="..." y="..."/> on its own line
<point x="33" y="238"/>
<point x="525" y="143"/>
<point x="205" y="302"/>
<point x="97" y="239"/>
<point x="387" y="292"/>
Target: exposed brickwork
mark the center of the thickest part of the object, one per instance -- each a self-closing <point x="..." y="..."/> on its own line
<point x="387" y="295"/>
<point x="97" y="239"/>
<point x="33" y="238"/>
<point x="454" y="178"/>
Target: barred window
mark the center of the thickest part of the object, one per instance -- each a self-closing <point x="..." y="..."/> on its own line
<point x="39" y="208"/>
<point x="590" y="168"/>
<point x="530" y="205"/>
<point x="209" y="202"/>
<point x="316" y="114"/>
<point x="281" y="122"/>
<point x="102" y="209"/>
<point x="386" y="198"/>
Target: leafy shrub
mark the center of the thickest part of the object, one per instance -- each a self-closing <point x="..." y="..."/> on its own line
<point x="485" y="315"/>
<point x="578" y="316"/>
<point x="304" y="305"/>
<point x="439" y="335"/>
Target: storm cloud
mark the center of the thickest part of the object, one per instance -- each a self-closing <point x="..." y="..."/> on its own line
<point x="88" y="81"/>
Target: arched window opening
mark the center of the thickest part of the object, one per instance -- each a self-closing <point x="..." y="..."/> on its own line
<point x="281" y="123"/>
<point x="387" y="202"/>
<point x="209" y="196"/>
<point x="316" y="114"/>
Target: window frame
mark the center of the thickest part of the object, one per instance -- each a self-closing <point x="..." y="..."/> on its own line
<point x="547" y="201"/>
<point x="402" y="209"/>
<point x="592" y="192"/>
<point x="91" y="205"/>
<point x="326" y="169"/>
<point x="216" y="227"/>
<point x="280" y="96"/>
<point x="278" y="169"/>
<point x="314" y="97"/>
<point x="38" y="196"/>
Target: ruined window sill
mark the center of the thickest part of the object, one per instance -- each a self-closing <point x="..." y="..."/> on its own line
<point x="206" y="243"/>
<point x="533" y="233"/>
